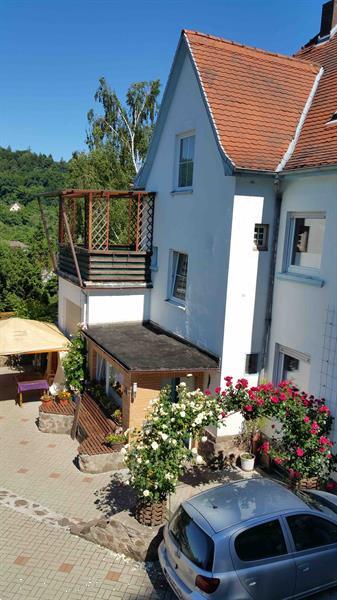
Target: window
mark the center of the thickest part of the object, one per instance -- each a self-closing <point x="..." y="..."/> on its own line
<point x="261" y="237"/>
<point x="186" y="161"/>
<point x="154" y="258"/>
<point x="305" y="243"/>
<point x="194" y="543"/>
<point x="292" y="366"/>
<point x="263" y="541"/>
<point x="251" y="363"/>
<point x="311" y="532"/>
<point x="179" y="264"/>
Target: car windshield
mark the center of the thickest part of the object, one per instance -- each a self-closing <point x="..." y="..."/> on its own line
<point x="193" y="542"/>
<point x="317" y="502"/>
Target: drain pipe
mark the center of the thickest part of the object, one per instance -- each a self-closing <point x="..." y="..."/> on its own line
<point x="269" y="308"/>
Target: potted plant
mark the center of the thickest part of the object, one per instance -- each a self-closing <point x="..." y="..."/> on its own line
<point x="158" y="453"/>
<point x="247" y="461"/>
<point x="64" y="397"/>
<point x="250" y="437"/>
<point x="46" y="398"/>
<point x="115" y="440"/>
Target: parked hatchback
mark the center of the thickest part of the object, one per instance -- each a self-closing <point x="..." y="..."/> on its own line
<point x="251" y="539"/>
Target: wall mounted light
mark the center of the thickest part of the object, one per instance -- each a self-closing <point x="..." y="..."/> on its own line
<point x="133" y="391"/>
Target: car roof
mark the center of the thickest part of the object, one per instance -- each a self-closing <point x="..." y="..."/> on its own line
<point x="230" y="504"/>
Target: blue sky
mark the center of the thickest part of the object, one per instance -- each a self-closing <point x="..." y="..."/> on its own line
<point x="54" y="51"/>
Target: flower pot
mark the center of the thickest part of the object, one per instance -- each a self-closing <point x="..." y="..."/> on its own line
<point x="151" y="514"/>
<point x="247" y="461"/>
<point x="46" y="398"/>
<point x="305" y="483"/>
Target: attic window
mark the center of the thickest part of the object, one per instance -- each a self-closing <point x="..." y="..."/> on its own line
<point x="333" y="119"/>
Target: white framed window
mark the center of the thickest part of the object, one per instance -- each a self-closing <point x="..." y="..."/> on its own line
<point x="261" y="232"/>
<point x="154" y="258"/>
<point x="291" y="365"/>
<point x="304" y="243"/>
<point x="178" y="277"/>
<point x="185" y="168"/>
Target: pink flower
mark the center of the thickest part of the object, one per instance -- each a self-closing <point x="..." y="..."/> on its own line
<point x="274" y="399"/>
<point x="248" y="407"/>
<point x="329" y="455"/>
<point x="323" y="440"/>
<point x="207" y="392"/>
<point x="278" y="460"/>
<point x="282" y="397"/>
<point x="260" y="401"/>
<point x="324" y="409"/>
<point x="299" y="452"/>
<point x="217" y="390"/>
<point x="265" y="447"/>
<point x="306" y="419"/>
<point x="228" y="380"/>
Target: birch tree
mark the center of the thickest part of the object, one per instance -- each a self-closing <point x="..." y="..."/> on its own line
<point x="127" y="128"/>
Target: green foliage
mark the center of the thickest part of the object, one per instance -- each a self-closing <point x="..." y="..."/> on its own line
<point x="115" y="438"/>
<point x="74" y="364"/>
<point x="158" y="453"/>
<point x="125" y="128"/>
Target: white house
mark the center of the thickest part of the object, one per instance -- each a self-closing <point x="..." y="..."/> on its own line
<point x="242" y="175"/>
<point x="15" y="207"/>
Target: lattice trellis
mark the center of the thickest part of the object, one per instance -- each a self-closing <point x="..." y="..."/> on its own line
<point x="100" y="223"/>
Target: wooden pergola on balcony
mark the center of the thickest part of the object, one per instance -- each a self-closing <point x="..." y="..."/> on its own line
<point x="105" y="236"/>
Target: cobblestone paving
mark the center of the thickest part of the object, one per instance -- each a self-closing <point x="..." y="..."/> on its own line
<point x="40" y="562"/>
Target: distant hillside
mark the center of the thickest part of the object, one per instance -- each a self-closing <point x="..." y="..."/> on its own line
<point x="23" y="176"/>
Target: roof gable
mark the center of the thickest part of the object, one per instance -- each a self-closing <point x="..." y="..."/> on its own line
<point x="317" y="144"/>
<point x="256" y="98"/>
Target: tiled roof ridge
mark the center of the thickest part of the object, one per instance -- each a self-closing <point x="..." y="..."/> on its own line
<point x="307" y="65"/>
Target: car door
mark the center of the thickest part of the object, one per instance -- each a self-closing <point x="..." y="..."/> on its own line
<point x="262" y="562"/>
<point x="315" y="551"/>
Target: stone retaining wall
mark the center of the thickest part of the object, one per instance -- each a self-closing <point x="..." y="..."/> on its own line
<point x="122" y="534"/>
<point x="101" y="463"/>
<point x="52" y="423"/>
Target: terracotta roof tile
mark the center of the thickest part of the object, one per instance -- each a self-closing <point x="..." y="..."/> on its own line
<point x="317" y="144"/>
<point x="256" y="98"/>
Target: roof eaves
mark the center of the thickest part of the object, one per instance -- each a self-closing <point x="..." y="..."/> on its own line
<point x="290" y="150"/>
<point x="228" y="160"/>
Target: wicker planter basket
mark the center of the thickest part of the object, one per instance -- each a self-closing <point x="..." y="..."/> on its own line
<point x="306" y="483"/>
<point x="151" y="514"/>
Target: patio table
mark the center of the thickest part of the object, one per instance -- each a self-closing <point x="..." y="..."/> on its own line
<point x="26" y="386"/>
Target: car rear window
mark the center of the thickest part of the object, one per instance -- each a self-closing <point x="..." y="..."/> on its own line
<point x="192" y="541"/>
<point x="318" y="503"/>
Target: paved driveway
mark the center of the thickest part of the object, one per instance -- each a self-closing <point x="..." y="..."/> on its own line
<point x="40" y="489"/>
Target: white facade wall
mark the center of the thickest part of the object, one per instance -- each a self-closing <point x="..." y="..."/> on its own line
<point x="304" y="316"/>
<point x="117" y="306"/>
<point x="196" y="223"/>
<point x="69" y="292"/>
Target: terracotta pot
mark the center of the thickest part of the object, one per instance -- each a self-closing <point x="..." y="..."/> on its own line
<point x="46" y="399"/>
<point x="151" y="513"/>
<point x="63" y="402"/>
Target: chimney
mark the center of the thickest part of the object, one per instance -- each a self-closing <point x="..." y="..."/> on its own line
<point x="329" y="18"/>
<point x="334" y="14"/>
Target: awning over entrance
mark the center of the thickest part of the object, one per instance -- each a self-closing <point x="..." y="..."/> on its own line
<point x="23" y="336"/>
<point x="144" y="347"/>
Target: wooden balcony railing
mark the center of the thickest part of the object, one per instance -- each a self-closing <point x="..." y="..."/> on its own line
<point x="105" y="236"/>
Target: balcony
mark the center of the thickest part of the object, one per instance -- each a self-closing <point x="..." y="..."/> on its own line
<point x="105" y="237"/>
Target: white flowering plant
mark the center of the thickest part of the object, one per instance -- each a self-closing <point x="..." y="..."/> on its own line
<point x="159" y="452"/>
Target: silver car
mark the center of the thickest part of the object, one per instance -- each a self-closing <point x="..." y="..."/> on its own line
<point x="251" y="539"/>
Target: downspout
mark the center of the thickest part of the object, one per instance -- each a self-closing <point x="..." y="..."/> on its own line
<point x="269" y="309"/>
